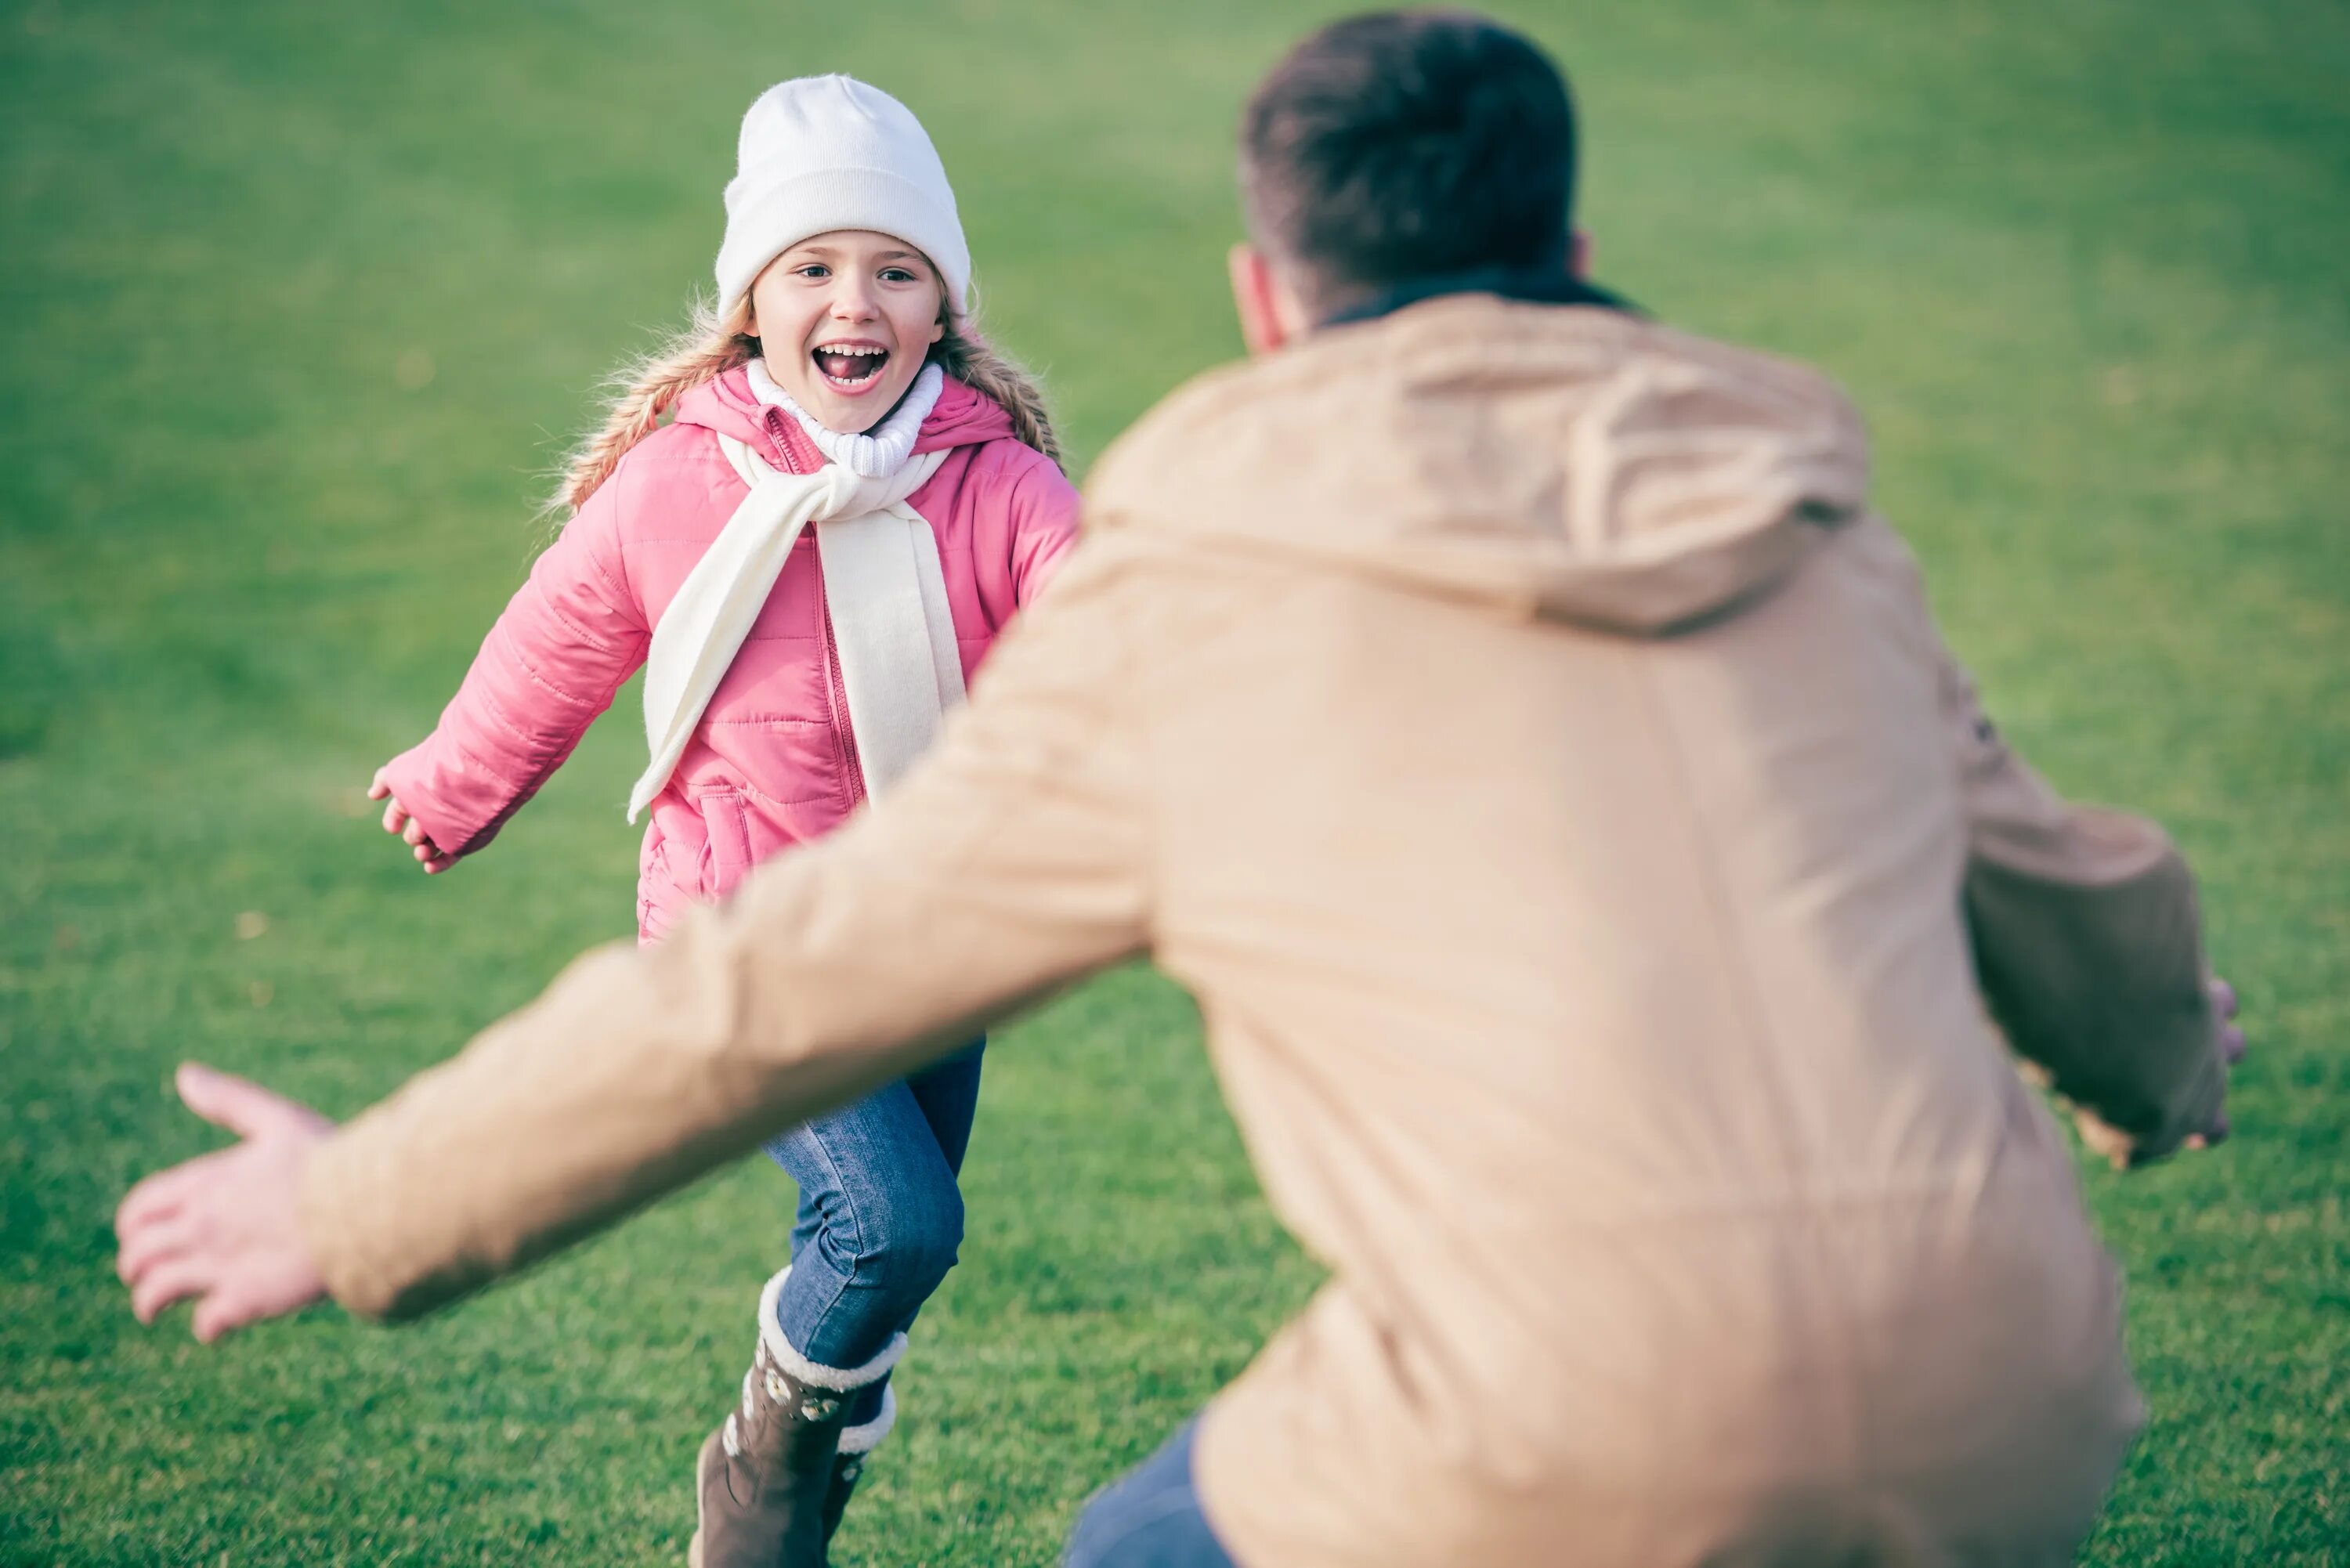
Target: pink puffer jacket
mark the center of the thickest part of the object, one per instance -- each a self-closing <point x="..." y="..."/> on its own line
<point x="772" y="760"/>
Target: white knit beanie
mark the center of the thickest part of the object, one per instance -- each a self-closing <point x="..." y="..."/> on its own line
<point x="820" y="153"/>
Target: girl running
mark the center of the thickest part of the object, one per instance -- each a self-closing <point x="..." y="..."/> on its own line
<point x="851" y="498"/>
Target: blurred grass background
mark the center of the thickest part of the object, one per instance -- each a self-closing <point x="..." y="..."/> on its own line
<point x="297" y="302"/>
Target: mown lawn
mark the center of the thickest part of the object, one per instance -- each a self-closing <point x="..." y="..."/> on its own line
<point x="296" y="302"/>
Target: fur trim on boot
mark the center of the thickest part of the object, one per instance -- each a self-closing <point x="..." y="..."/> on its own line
<point x="848" y="1462"/>
<point x="763" y="1482"/>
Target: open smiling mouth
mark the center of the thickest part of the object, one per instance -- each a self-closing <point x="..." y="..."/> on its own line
<point x="850" y="367"/>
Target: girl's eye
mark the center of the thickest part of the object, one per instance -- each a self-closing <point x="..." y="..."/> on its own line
<point x="896" y="274"/>
<point x="813" y="269"/>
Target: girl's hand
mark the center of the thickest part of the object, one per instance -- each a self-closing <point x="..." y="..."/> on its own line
<point x="396" y="820"/>
<point x="224" y="1228"/>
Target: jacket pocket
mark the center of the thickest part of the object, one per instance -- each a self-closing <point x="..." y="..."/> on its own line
<point x="726" y="827"/>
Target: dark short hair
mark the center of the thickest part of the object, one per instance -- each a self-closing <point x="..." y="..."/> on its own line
<point x="1405" y="145"/>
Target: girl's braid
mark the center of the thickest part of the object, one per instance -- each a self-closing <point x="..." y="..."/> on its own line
<point x="967" y="356"/>
<point x="649" y="388"/>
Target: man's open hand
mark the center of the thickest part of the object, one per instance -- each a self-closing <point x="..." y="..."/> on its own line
<point x="2228" y="1041"/>
<point x="2124" y="1152"/>
<point x="222" y="1228"/>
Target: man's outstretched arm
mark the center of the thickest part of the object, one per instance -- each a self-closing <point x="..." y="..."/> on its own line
<point x="1013" y="860"/>
<point x="2089" y="950"/>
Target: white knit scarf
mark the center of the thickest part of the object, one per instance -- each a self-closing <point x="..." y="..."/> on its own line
<point x="884" y="588"/>
<point x="877" y="453"/>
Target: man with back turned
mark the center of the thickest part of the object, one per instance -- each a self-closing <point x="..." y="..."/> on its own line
<point x="1508" y="716"/>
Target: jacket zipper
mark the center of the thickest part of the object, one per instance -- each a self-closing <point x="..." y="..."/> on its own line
<point x="844" y="734"/>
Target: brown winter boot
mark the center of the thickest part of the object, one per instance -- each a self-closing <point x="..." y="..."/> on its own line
<point x="763" y="1482"/>
<point x="849" y="1463"/>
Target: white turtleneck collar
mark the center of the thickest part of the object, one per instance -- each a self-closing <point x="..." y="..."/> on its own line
<point x="877" y="453"/>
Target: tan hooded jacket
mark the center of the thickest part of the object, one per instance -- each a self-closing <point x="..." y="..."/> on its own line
<point x="1512" y="725"/>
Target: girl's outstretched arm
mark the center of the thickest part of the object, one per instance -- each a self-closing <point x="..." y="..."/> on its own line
<point x="567" y="639"/>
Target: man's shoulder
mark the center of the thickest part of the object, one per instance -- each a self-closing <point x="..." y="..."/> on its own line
<point x="1390" y="379"/>
<point x="1742" y="362"/>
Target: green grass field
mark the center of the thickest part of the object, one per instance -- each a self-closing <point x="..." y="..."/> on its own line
<point x="297" y="301"/>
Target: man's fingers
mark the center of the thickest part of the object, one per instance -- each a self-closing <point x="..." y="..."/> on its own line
<point x="148" y="1246"/>
<point x="2231" y="1036"/>
<point x="173" y="1280"/>
<point x="152" y="1200"/>
<point x="163" y="1194"/>
<point x="394" y="814"/>
<point x="224" y="1311"/>
<point x="228" y="1220"/>
<point x="225" y="1100"/>
<point x="254" y="1295"/>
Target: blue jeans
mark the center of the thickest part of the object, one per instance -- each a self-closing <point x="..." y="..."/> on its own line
<point x="880" y="1216"/>
<point x="1151" y="1519"/>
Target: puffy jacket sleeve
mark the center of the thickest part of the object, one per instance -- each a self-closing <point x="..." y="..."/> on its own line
<point x="2088" y="946"/>
<point x="1024" y="521"/>
<point x="567" y="640"/>
<point x="1012" y="860"/>
<point x="1046" y="509"/>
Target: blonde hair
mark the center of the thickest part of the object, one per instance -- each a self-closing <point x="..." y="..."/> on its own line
<point x="646" y="389"/>
<point x="964" y="354"/>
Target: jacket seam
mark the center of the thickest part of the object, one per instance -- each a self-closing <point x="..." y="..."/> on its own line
<point x="755" y="796"/>
<point x="844" y="735"/>
<point x="497" y="775"/>
<point x="553" y="687"/>
<point x="562" y="619"/>
<point x="561" y="693"/>
<point x="617" y="598"/>
<point x="523" y="736"/>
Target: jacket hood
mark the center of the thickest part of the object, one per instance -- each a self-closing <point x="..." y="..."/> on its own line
<point x="964" y="415"/>
<point x="1574" y="464"/>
